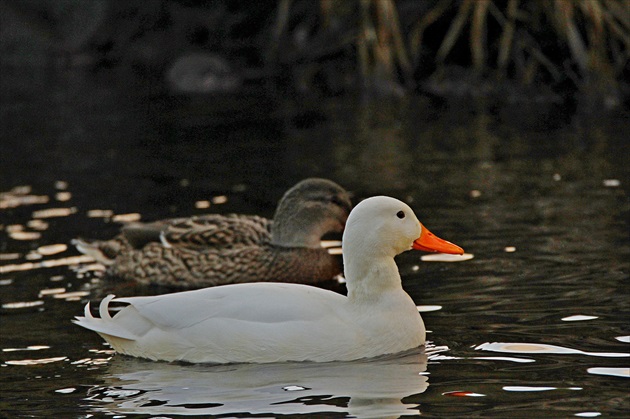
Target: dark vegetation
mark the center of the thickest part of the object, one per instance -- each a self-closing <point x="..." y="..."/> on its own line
<point x="330" y="47"/>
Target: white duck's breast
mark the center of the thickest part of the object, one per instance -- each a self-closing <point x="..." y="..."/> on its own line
<point x="392" y="323"/>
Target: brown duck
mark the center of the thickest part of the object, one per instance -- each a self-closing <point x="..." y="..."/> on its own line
<point x="214" y="249"/>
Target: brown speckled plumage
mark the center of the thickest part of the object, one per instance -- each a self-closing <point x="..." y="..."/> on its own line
<point x="201" y="232"/>
<point x="184" y="268"/>
<point x="215" y="249"/>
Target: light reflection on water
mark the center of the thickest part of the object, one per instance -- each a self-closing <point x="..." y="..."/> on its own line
<point x="541" y="348"/>
<point x="443" y="257"/>
<point x="527" y="388"/>
<point x="615" y="372"/>
<point x="578" y="318"/>
<point x="49" y="263"/>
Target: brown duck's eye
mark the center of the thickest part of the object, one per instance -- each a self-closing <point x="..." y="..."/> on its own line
<point x="400" y="214"/>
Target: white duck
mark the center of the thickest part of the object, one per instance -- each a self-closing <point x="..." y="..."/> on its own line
<point x="275" y="322"/>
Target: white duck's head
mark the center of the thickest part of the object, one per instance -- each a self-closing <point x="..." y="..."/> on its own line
<point x="384" y="226"/>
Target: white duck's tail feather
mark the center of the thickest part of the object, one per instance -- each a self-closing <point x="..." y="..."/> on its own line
<point x="105" y="324"/>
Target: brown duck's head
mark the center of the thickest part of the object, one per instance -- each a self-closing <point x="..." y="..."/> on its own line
<point x="307" y="211"/>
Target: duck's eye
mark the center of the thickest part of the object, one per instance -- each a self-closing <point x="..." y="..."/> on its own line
<point x="400" y="214"/>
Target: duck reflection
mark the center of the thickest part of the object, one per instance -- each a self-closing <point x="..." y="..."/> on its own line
<point x="372" y="388"/>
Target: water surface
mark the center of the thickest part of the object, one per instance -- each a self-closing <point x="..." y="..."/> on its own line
<point x="533" y="324"/>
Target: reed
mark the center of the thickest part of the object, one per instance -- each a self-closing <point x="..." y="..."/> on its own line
<point x="595" y="34"/>
<point x="380" y="43"/>
<point x="527" y="40"/>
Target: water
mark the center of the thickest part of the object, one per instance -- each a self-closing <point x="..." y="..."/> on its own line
<point x="534" y="324"/>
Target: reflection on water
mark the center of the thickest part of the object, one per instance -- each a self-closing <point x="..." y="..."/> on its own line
<point x="463" y="394"/>
<point x="362" y="389"/>
<point x="22" y="304"/>
<point x="530" y="388"/>
<point x="541" y="348"/>
<point x="615" y="372"/>
<point x="578" y="318"/>
<point x="54" y="212"/>
<point x="29" y="348"/>
<point x="49" y="263"/>
<point x="38" y="361"/>
<point x="443" y="257"/>
<point x="20" y="195"/>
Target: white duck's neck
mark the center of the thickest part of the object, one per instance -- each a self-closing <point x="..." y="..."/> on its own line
<point x="369" y="277"/>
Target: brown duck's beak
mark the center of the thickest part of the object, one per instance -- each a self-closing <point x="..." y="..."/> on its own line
<point x="429" y="242"/>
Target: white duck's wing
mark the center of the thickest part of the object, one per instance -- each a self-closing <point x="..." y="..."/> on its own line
<point x="257" y="302"/>
<point x="259" y="322"/>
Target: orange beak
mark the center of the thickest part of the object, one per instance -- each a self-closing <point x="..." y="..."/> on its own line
<point x="429" y="242"/>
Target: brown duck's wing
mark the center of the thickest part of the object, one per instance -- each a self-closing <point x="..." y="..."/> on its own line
<point x="210" y="231"/>
<point x="105" y="251"/>
<point x="184" y="268"/>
